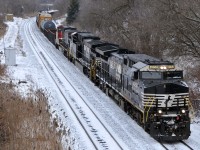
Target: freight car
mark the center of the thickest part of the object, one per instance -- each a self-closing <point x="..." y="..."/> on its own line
<point x="150" y="90"/>
<point x="49" y="29"/>
<point x="42" y="16"/>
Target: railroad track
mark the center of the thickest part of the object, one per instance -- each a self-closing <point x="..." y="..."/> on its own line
<point x="163" y="145"/>
<point x="77" y="104"/>
<point x="175" y="146"/>
<point x="187" y="145"/>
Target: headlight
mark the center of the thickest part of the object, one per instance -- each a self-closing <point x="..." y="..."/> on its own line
<point x="182" y="111"/>
<point x="163" y="67"/>
<point x="160" y="111"/>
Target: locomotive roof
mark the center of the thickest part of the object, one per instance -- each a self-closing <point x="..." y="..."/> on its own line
<point x="121" y="52"/>
<point x="82" y="34"/>
<point x="125" y="51"/>
<point x="75" y="34"/>
<point x="141" y="57"/>
<point x="135" y="67"/>
<point x="93" y="43"/>
<point x="97" y="43"/>
<point x="69" y="28"/>
<point x="147" y="59"/>
<point x="139" y="65"/>
<point x="87" y="35"/>
<point x="107" y="49"/>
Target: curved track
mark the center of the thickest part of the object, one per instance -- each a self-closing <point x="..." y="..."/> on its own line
<point x="88" y="120"/>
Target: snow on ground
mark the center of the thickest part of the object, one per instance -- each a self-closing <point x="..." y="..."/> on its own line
<point x="30" y="70"/>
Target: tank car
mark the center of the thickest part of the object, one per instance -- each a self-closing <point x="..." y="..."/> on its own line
<point x="49" y="29"/>
<point x="41" y="17"/>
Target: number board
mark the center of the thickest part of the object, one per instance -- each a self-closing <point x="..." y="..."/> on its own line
<point x="159" y="66"/>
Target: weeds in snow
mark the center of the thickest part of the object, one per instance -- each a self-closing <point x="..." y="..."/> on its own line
<point x="25" y="122"/>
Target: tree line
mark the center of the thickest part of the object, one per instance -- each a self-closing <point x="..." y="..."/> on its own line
<point x="158" y="28"/>
<point x="150" y="27"/>
<point x="153" y="27"/>
<point x="21" y="7"/>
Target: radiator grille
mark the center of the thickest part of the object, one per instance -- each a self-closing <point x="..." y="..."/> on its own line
<point x="149" y="100"/>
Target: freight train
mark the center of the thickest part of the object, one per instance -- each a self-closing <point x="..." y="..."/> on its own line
<point x="150" y="90"/>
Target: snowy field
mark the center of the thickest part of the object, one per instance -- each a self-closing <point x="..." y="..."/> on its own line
<point x="32" y="70"/>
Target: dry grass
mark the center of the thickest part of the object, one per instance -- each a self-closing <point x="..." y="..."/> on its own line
<point x="2" y="28"/>
<point x="2" y="70"/>
<point x="25" y="122"/>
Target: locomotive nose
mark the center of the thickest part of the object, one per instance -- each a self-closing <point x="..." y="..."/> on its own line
<point x="165" y="88"/>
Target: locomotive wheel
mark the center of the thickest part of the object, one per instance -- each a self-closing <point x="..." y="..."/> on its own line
<point x="57" y="46"/>
<point x="97" y="82"/>
<point x="121" y="103"/>
<point x="65" y="53"/>
<point x="146" y="127"/>
<point x="85" y="71"/>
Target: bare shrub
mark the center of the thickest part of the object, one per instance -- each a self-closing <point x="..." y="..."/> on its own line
<point x="25" y="122"/>
<point x="193" y="78"/>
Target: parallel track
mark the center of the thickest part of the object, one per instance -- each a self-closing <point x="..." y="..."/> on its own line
<point x="186" y="145"/>
<point x="50" y="66"/>
<point x="166" y="147"/>
<point x="163" y="145"/>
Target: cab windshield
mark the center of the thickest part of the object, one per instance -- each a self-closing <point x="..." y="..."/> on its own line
<point x="173" y="75"/>
<point x="155" y="75"/>
<point x="151" y="75"/>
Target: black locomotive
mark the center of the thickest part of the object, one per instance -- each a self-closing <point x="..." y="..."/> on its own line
<point x="150" y="90"/>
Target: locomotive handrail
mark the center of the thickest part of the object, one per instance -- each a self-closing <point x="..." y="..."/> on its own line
<point x="150" y="101"/>
<point x="190" y="107"/>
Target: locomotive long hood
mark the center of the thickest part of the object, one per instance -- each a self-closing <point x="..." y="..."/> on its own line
<point x="156" y="87"/>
